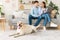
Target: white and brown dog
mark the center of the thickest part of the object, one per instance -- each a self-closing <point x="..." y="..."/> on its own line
<point x="25" y="29"/>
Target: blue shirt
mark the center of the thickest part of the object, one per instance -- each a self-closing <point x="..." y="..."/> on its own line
<point x="36" y="11"/>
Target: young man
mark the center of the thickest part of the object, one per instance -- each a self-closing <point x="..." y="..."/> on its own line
<point x="35" y="12"/>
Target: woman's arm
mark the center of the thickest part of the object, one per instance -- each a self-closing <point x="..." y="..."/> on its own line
<point x="44" y="10"/>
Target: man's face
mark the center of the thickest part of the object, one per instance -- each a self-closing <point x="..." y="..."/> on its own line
<point x="36" y="4"/>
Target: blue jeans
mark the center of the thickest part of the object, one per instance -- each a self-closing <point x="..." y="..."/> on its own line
<point x="45" y="16"/>
<point x="48" y="16"/>
<point x="30" y="19"/>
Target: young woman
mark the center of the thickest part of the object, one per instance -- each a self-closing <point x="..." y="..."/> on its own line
<point x="47" y="14"/>
<point x="45" y="11"/>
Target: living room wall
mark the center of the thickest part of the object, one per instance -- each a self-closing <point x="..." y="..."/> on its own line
<point x="13" y="5"/>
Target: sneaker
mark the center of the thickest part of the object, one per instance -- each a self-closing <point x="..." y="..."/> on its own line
<point x="53" y="24"/>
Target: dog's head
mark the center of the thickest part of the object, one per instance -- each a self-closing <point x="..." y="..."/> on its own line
<point x="20" y="24"/>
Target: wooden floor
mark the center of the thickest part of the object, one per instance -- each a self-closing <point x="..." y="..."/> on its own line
<point x="40" y="35"/>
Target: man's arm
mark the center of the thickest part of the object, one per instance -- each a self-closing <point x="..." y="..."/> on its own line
<point x="31" y="11"/>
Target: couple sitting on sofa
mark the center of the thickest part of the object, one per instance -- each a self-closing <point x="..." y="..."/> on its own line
<point x="40" y="12"/>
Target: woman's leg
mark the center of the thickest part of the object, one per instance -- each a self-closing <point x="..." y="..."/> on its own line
<point x="48" y="16"/>
<point x="45" y="19"/>
<point x="39" y="20"/>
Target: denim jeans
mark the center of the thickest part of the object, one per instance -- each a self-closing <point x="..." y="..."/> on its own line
<point x="46" y="18"/>
<point x="30" y="19"/>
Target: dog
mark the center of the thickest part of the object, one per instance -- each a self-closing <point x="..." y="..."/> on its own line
<point x="23" y="29"/>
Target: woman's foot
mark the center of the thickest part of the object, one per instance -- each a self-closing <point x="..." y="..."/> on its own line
<point x="53" y="24"/>
<point x="44" y="28"/>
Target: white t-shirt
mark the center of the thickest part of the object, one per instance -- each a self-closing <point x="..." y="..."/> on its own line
<point x="44" y="10"/>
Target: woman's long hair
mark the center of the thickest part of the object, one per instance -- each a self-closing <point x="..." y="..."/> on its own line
<point x="44" y="4"/>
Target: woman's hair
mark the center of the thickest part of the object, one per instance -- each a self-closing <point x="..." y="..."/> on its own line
<point x="44" y="4"/>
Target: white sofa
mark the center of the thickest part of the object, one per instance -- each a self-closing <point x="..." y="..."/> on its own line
<point x="23" y="16"/>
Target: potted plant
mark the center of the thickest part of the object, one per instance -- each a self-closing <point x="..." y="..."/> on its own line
<point x="1" y="13"/>
<point x="55" y="7"/>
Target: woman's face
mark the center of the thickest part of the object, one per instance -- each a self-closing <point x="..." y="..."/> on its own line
<point x="41" y="4"/>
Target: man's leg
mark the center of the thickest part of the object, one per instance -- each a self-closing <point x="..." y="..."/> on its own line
<point x="38" y="21"/>
<point x="30" y="20"/>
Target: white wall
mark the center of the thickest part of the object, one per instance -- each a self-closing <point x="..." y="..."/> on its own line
<point x="13" y="5"/>
<point x="9" y="6"/>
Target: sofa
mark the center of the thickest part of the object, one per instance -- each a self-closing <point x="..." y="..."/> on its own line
<point x="23" y="16"/>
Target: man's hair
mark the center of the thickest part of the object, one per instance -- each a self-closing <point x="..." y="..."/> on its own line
<point x="36" y="2"/>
